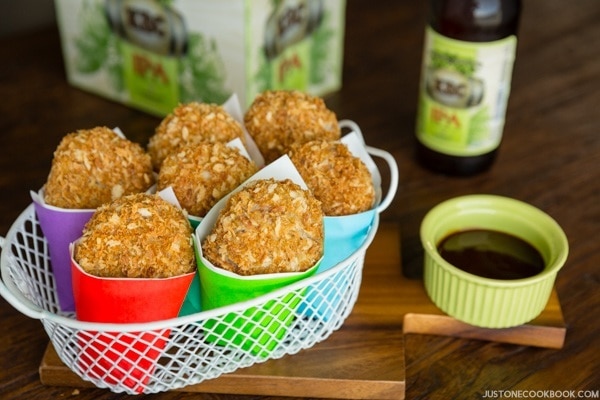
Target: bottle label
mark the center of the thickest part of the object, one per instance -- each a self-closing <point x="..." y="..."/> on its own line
<point x="464" y="92"/>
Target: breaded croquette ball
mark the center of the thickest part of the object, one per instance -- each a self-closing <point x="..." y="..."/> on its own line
<point x="269" y="226"/>
<point x="280" y="120"/>
<point x="137" y="236"/>
<point x="190" y="123"/>
<point x="95" y="166"/>
<point x="201" y="174"/>
<point x="340" y="180"/>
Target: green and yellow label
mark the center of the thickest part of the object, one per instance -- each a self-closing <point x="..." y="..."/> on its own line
<point x="463" y="95"/>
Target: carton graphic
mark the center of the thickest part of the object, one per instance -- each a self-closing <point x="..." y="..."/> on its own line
<point x="154" y="54"/>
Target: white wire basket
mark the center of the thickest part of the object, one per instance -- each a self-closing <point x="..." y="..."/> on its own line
<point x="175" y="353"/>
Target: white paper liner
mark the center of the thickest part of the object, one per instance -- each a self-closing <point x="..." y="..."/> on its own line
<point x="356" y="145"/>
<point x="233" y="108"/>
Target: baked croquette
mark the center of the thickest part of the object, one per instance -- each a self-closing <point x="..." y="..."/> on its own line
<point x="280" y="120"/>
<point x="269" y="226"/>
<point x="201" y="174"/>
<point x="190" y="123"/>
<point x="136" y="236"/>
<point x="340" y="180"/>
<point x="95" y="166"/>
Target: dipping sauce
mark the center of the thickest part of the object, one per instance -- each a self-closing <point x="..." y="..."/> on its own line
<point x="491" y="254"/>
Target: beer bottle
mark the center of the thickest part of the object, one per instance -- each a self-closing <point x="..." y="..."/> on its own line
<point x="467" y="67"/>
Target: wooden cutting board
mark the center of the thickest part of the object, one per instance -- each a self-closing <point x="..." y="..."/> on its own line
<point x="364" y="359"/>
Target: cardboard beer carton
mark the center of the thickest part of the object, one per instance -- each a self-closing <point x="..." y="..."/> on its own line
<point x="155" y="54"/>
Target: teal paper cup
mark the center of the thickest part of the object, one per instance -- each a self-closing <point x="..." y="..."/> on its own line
<point x="194" y="221"/>
<point x="487" y="302"/>
<point x="192" y="303"/>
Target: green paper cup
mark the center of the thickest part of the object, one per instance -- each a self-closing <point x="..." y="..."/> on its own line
<point x="487" y="302"/>
<point x="259" y="329"/>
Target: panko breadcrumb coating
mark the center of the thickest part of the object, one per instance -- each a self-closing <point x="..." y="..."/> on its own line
<point x="340" y="180"/>
<point x="201" y="174"/>
<point x="192" y="122"/>
<point x="279" y="120"/>
<point x="267" y="227"/>
<point x="137" y="236"/>
<point x="94" y="166"/>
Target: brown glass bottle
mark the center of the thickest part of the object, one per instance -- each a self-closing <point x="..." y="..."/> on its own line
<point x="460" y="89"/>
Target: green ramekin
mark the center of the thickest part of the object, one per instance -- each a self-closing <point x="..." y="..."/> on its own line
<point x="485" y="302"/>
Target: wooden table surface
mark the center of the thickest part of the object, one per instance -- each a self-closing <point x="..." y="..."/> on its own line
<point x="549" y="157"/>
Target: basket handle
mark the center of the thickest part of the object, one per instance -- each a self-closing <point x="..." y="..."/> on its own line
<point x="353" y="126"/>
<point x="19" y="302"/>
<point x="393" y="167"/>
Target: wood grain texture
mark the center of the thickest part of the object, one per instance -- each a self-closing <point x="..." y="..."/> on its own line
<point x="365" y="358"/>
<point x="549" y="157"/>
<point x="355" y="362"/>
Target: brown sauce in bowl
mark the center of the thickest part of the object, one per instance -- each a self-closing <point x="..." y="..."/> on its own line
<point x="491" y="254"/>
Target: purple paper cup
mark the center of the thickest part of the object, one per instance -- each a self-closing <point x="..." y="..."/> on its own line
<point x="60" y="227"/>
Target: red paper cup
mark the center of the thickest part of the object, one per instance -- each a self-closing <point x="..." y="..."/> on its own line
<point x="125" y="358"/>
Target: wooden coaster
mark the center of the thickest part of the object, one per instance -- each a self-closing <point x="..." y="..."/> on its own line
<point x="547" y="330"/>
<point x="353" y="363"/>
<point x="350" y="364"/>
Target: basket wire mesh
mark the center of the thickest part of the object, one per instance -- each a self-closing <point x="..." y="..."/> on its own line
<point x="170" y="354"/>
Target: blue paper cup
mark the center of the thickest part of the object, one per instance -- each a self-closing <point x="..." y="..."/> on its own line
<point x="344" y="235"/>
